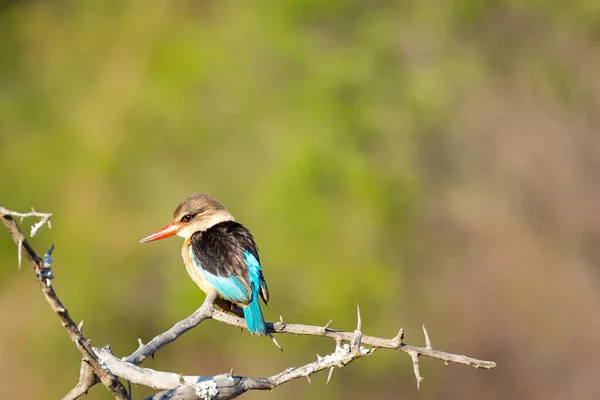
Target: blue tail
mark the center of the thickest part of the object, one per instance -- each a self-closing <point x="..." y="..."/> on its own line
<point x="254" y="317"/>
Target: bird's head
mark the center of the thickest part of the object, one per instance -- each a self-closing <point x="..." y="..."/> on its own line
<point x="196" y="213"/>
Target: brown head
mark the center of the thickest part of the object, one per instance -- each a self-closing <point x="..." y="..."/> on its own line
<point x="197" y="212"/>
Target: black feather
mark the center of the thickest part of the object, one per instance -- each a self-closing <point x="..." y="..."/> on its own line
<point x="220" y="249"/>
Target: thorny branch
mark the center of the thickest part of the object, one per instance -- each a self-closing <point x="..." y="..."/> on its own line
<point x="44" y="219"/>
<point x="100" y="365"/>
<point x="42" y="268"/>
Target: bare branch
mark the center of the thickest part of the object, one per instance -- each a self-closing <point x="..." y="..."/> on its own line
<point x="415" y="361"/>
<point x="355" y="338"/>
<point x="44" y="274"/>
<point x="44" y="218"/>
<point x="225" y="386"/>
<point x="396" y="343"/>
<point x="204" y="312"/>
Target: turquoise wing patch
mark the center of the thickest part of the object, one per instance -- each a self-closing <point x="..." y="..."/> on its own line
<point x="230" y="288"/>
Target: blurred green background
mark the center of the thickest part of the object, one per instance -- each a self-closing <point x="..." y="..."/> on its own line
<point x="437" y="162"/>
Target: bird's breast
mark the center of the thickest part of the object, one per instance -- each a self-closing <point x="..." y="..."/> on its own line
<point x="194" y="270"/>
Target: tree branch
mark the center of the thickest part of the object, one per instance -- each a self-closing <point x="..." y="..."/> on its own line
<point x="145" y="350"/>
<point x="44" y="275"/>
<point x="208" y="312"/>
<point x="223" y="386"/>
<point x="99" y="364"/>
<point x="228" y="386"/>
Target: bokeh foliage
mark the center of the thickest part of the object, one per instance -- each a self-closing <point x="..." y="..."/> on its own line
<point x="433" y="161"/>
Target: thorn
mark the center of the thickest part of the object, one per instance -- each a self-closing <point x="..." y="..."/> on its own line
<point x="327" y="325"/>
<point x="319" y="358"/>
<point x="80" y="326"/>
<point x="181" y="380"/>
<point x="231" y="372"/>
<point x="19" y="252"/>
<point x="355" y="343"/>
<point x="329" y="376"/>
<point x="399" y="337"/>
<point x="308" y="378"/>
<point x="140" y="342"/>
<point x="152" y="355"/>
<point x="49" y="224"/>
<point x="427" y="341"/>
<point x="129" y="387"/>
<point x="275" y="341"/>
<point x="338" y="343"/>
<point x="357" y="338"/>
<point x="280" y="325"/>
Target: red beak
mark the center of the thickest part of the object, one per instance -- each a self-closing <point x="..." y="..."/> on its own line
<point x="164" y="232"/>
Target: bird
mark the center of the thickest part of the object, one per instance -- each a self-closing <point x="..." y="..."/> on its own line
<point x="220" y="255"/>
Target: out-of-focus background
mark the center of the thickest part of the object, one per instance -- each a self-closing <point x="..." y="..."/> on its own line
<point x="437" y="162"/>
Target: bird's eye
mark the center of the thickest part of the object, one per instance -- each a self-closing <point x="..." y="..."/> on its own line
<point x="187" y="218"/>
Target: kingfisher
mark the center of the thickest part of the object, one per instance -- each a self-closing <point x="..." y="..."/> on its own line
<point x="220" y="255"/>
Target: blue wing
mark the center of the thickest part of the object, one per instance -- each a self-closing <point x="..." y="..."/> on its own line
<point x="231" y="288"/>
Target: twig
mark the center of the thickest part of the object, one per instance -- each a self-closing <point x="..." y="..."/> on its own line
<point x="226" y="386"/>
<point x="44" y="218"/>
<point x="44" y="274"/>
